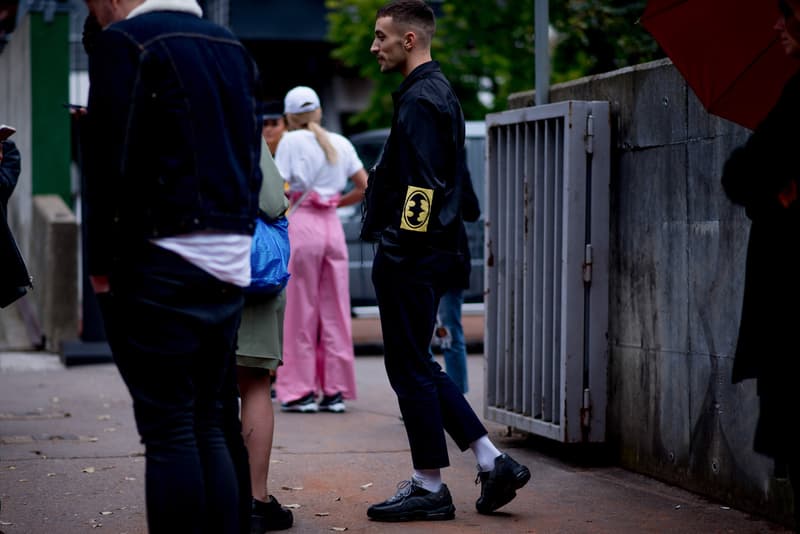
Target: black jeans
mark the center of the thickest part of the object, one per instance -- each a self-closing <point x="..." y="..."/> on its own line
<point x="172" y="328"/>
<point x="431" y="403"/>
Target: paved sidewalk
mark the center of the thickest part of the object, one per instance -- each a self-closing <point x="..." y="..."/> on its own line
<point x="70" y="462"/>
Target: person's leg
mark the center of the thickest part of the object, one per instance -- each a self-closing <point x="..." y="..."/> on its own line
<point x="232" y="427"/>
<point x="298" y="375"/>
<point x="258" y="424"/>
<point x="429" y="400"/>
<point x="407" y="315"/>
<point x="336" y="336"/>
<point x="455" y="353"/>
<point x="174" y="358"/>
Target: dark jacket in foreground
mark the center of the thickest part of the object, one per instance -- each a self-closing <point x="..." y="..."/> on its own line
<point x="768" y="347"/>
<point x="414" y="197"/>
<point x="14" y="278"/>
<point x="173" y="138"/>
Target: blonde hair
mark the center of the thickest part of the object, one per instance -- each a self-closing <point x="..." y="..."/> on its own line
<point x="311" y="120"/>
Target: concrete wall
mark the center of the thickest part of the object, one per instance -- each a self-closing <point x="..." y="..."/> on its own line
<point x="677" y="275"/>
<point x="54" y="267"/>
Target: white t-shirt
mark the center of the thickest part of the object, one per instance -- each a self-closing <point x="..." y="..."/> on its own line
<point x="301" y="162"/>
<point x="222" y="255"/>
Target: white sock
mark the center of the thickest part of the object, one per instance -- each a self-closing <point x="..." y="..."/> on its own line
<point x="429" y="479"/>
<point x="485" y="452"/>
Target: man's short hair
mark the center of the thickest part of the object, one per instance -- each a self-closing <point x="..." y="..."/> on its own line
<point x="415" y="13"/>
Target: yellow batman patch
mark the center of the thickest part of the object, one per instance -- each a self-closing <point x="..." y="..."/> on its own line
<point x="417" y="209"/>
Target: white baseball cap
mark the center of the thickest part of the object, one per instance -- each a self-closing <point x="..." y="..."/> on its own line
<point x="301" y="99"/>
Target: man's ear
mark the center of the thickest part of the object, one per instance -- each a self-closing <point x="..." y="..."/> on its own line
<point x="409" y="41"/>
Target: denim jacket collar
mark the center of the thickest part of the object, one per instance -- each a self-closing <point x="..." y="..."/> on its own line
<point x="182" y="6"/>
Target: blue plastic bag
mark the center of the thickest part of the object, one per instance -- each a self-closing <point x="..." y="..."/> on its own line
<point x="269" y="257"/>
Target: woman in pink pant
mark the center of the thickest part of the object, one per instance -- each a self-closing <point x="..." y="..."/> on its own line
<point x="318" y="344"/>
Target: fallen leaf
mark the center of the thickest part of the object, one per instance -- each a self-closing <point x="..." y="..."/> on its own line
<point x="93" y="440"/>
<point x="291" y="506"/>
<point x="88" y="469"/>
<point x="322" y="514"/>
<point x="106" y="513"/>
<point x="110" y="429"/>
<point x="366" y="486"/>
<point x="51" y="475"/>
<point x="103" y="417"/>
<point x="12" y="468"/>
<point x="725" y="507"/>
<point x="338" y="529"/>
<point x="130" y="478"/>
<point x="290" y="488"/>
<point x="23" y="480"/>
<point x="5" y="524"/>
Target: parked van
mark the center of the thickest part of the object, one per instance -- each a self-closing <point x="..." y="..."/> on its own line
<point x="369" y="146"/>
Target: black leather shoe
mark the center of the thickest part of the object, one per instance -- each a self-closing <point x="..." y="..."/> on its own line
<point x="266" y="516"/>
<point x="414" y="503"/>
<point x="498" y="486"/>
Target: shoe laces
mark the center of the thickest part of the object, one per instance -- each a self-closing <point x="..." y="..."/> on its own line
<point x="404" y="489"/>
<point x="478" y="478"/>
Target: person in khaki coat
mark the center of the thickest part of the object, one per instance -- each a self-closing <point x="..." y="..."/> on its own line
<point x="259" y="352"/>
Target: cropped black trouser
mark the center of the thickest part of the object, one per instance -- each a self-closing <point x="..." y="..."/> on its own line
<point x="408" y="296"/>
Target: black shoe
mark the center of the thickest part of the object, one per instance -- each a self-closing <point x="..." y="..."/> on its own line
<point x="332" y="403"/>
<point x="498" y="486"/>
<point x="414" y="503"/>
<point x="306" y="404"/>
<point x="266" y="516"/>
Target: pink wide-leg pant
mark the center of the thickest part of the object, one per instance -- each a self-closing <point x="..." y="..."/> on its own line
<point x="317" y="329"/>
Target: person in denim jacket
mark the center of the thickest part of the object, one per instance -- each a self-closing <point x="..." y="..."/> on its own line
<point x="172" y="182"/>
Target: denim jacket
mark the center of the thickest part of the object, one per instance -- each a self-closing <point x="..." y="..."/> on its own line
<point x="174" y="142"/>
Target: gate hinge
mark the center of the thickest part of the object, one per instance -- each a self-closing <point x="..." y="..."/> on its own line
<point x="588" y="257"/>
<point x="589" y="138"/>
<point x="586" y="409"/>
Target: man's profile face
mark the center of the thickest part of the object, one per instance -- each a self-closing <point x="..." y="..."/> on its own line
<point x="388" y="46"/>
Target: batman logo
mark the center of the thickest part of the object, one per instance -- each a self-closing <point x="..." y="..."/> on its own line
<point x="417" y="209"/>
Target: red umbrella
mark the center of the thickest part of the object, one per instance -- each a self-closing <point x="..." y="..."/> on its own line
<point x="726" y="50"/>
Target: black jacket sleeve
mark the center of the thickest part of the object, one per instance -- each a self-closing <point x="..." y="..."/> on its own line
<point x="10" y="168"/>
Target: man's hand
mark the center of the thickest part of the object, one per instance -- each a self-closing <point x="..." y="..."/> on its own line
<point x="100" y="284"/>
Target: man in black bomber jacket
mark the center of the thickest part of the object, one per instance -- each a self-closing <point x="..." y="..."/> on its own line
<point x="414" y="211"/>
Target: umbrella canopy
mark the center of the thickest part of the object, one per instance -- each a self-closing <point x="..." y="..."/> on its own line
<point x="726" y="50"/>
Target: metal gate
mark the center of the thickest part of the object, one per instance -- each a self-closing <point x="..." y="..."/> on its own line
<point x="547" y="227"/>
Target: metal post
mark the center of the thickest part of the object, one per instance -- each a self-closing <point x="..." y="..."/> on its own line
<point x="542" y="44"/>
